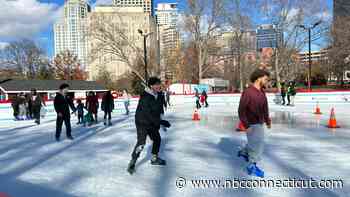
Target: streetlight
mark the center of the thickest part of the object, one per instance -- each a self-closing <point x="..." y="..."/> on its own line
<point x="309" y="31"/>
<point x="145" y="50"/>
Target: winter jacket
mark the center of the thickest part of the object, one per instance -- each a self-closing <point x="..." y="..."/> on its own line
<point x="149" y="110"/>
<point x="107" y="104"/>
<point x="291" y="90"/>
<point x="36" y="103"/>
<point x="62" y="104"/>
<point x="283" y="91"/>
<point x="92" y="104"/>
<point x="80" y="109"/>
<point x="253" y="107"/>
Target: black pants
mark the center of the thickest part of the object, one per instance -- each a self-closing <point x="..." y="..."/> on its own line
<point x="109" y="115"/>
<point x="198" y="105"/>
<point x="36" y="113"/>
<point x="288" y="98"/>
<point x="206" y="103"/>
<point x="142" y="134"/>
<point x="59" y="123"/>
<point x="80" y="118"/>
<point x="283" y="99"/>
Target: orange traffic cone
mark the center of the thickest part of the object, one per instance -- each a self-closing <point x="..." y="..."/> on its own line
<point x="332" y="123"/>
<point x="196" y="115"/>
<point x="240" y="127"/>
<point x="318" y="109"/>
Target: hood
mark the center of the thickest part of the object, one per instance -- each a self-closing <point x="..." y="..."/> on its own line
<point x="149" y="91"/>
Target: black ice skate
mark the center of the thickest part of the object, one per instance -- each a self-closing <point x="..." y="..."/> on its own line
<point x="131" y="167"/>
<point x="158" y="161"/>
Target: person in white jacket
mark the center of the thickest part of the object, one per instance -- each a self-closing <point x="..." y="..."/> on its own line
<point x="126" y="100"/>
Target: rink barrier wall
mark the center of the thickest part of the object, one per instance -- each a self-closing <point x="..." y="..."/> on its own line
<point x="6" y="111"/>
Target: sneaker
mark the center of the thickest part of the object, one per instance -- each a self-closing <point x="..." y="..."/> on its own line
<point x="158" y="161"/>
<point x="109" y="123"/>
<point x="252" y="169"/>
<point x="37" y="122"/>
<point x="244" y="155"/>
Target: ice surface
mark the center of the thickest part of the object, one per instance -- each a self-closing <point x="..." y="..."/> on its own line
<point x="33" y="164"/>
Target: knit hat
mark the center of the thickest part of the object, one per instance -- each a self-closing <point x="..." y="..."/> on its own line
<point x="153" y="81"/>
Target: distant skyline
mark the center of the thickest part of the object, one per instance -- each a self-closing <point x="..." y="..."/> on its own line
<point x="34" y="19"/>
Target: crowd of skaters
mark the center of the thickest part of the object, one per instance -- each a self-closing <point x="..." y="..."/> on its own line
<point x="28" y="106"/>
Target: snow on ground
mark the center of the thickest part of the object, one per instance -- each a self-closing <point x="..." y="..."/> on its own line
<point x="298" y="146"/>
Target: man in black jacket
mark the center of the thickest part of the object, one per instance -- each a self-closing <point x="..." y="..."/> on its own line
<point x="148" y="121"/>
<point x="62" y="103"/>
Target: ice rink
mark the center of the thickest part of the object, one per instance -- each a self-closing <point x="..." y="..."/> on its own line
<point x="300" y="146"/>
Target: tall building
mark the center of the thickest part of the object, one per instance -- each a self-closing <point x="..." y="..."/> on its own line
<point x="168" y="35"/>
<point x="341" y="8"/>
<point x="268" y="36"/>
<point x="167" y="14"/>
<point x="147" y="5"/>
<point x="128" y="21"/>
<point x="70" y="30"/>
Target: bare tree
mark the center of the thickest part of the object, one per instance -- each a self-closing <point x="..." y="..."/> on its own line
<point x="67" y="66"/>
<point x="287" y="15"/>
<point x="25" y="56"/>
<point x="202" y="21"/>
<point x="238" y="17"/>
<point x="112" y="39"/>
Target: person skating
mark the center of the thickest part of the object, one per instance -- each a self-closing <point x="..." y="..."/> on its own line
<point x="126" y="100"/>
<point x="92" y="106"/>
<point x="15" y="107"/>
<point x="253" y="113"/>
<point x="22" y="115"/>
<point x="205" y="95"/>
<point x="36" y="103"/>
<point x="107" y="106"/>
<point x="148" y="121"/>
<point x="62" y="103"/>
<point x="80" y="110"/>
<point x="291" y="94"/>
<point x="196" y="95"/>
<point x="283" y="93"/>
<point x="28" y="104"/>
<point x="167" y="97"/>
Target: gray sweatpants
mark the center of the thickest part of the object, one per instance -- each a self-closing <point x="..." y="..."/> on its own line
<point x="255" y="142"/>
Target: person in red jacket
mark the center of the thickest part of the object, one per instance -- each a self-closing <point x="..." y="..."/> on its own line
<point x="92" y="105"/>
<point x="253" y="113"/>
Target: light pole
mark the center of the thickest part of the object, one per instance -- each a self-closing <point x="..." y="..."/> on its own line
<point x="145" y="50"/>
<point x="309" y="29"/>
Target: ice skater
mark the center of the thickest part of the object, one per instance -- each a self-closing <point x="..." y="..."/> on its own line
<point x="92" y="106"/>
<point x="291" y="93"/>
<point x="126" y="100"/>
<point x="283" y="93"/>
<point x="148" y="121"/>
<point x="37" y="102"/>
<point x="196" y="95"/>
<point x="62" y="104"/>
<point x="80" y="110"/>
<point x="253" y="113"/>
<point x="205" y="97"/>
<point x="107" y="106"/>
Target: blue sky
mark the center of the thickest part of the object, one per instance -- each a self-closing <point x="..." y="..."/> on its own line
<point x="34" y="19"/>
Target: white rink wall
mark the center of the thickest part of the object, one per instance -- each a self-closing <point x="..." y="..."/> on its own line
<point x="6" y="111"/>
